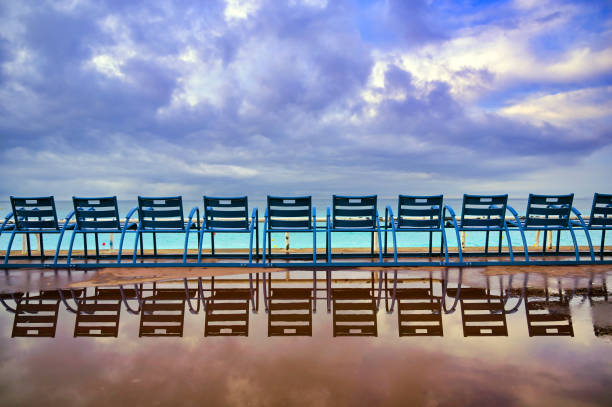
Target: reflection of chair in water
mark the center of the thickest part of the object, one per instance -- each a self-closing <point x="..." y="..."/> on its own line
<point x="419" y="311"/>
<point x="290" y="312"/>
<point x="601" y="307"/>
<point x="546" y="317"/>
<point x="227" y="312"/>
<point x="36" y="315"/>
<point x="482" y="314"/>
<point x="98" y="315"/>
<point x="163" y="313"/>
<point x="354" y="312"/>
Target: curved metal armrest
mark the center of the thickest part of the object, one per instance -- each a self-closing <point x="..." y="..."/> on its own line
<point x="254" y="217"/>
<point x="195" y="210"/>
<point x="67" y="219"/>
<point x="514" y="213"/>
<point x="452" y="214"/>
<point x="314" y="218"/>
<point x="129" y="216"/>
<point x="6" y="219"/>
<point x="388" y="208"/>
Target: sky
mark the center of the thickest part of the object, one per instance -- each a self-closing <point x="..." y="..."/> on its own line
<point x="256" y="97"/>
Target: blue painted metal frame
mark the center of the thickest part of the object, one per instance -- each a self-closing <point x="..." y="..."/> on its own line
<point x="89" y="208"/>
<point x="553" y="213"/>
<point x="345" y="207"/>
<point x="484" y="213"/>
<point x="45" y="221"/>
<point x="286" y="214"/>
<point x="151" y="220"/>
<point x="479" y="213"/>
<point x="222" y="215"/>
<point x="410" y="219"/>
<point x="600" y="217"/>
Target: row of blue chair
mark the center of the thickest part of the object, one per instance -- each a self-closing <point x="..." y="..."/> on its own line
<point x="37" y="215"/>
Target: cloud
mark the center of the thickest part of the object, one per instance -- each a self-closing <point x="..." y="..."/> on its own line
<point x="308" y="96"/>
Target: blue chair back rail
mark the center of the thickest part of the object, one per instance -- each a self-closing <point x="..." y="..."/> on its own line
<point x="419" y="211"/>
<point x="548" y="210"/>
<point x="290" y="212"/>
<point x="601" y="211"/>
<point x="96" y="213"/>
<point x="161" y="213"/>
<point x="354" y="211"/>
<point x="226" y="213"/>
<point x="34" y="213"/>
<point x="484" y="211"/>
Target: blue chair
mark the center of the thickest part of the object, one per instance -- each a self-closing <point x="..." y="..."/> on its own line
<point x="354" y="214"/>
<point x="33" y="215"/>
<point x="289" y="214"/>
<point x="96" y="215"/>
<point x="163" y="215"/>
<point x="552" y="213"/>
<point x="600" y="218"/>
<point x="229" y="215"/>
<point x="416" y="214"/>
<point x="485" y="213"/>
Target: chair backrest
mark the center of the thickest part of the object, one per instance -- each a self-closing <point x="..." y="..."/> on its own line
<point x="491" y="207"/>
<point x="419" y="211"/>
<point x="290" y="212"/>
<point x="96" y="213"/>
<point x="601" y="211"/>
<point x="161" y="212"/>
<point x="226" y="213"/>
<point x="34" y="213"/>
<point x="354" y="211"/>
<point x="548" y="210"/>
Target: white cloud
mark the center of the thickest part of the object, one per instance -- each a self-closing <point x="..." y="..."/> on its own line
<point x="505" y="52"/>
<point x="240" y="9"/>
<point x="563" y="108"/>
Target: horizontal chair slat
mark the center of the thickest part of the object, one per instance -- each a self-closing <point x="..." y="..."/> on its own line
<point x="602" y="211"/>
<point x="37" y="224"/>
<point x="289" y="213"/>
<point x="33" y="202"/>
<point x="161" y="202"/>
<point x="163" y="224"/>
<point x="95" y="202"/>
<point x="485" y="199"/>
<point x="225" y="202"/>
<point x="353" y="223"/>
<point x="277" y="223"/>
<point x="467" y="211"/>
<point x="551" y="199"/>
<point x="84" y="213"/>
<point x="171" y="213"/>
<point x="34" y="213"/>
<point x="229" y="224"/>
<point x="354" y="212"/>
<point x="214" y="213"/>
<point x="535" y="210"/>
<point x="600" y="221"/>
<point x="546" y="222"/>
<point x="603" y="199"/>
<point x="419" y="212"/>
<point x="419" y="223"/>
<point x="100" y="224"/>
<point x="420" y="200"/>
<point x="289" y="201"/>
<point x="354" y="200"/>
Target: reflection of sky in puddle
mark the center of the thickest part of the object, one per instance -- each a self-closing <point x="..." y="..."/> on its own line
<point x="323" y="370"/>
